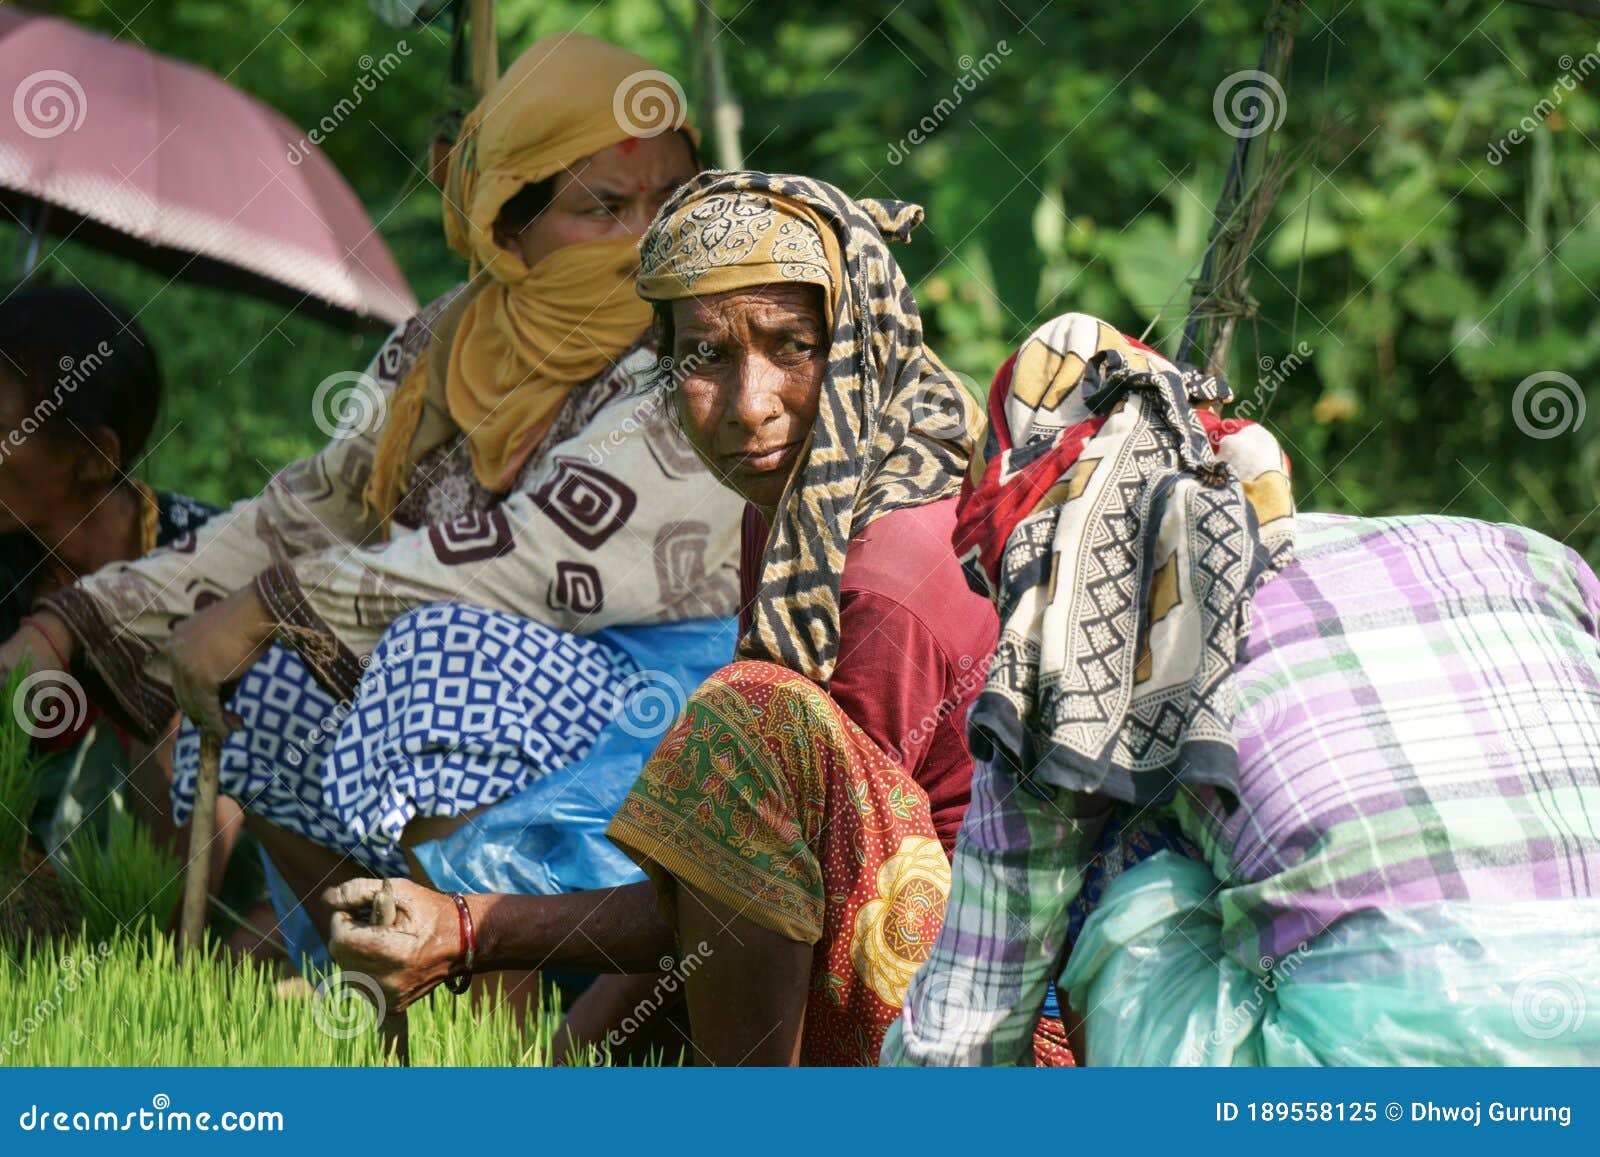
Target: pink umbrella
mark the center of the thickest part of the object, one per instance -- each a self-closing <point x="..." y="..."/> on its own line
<point x="163" y="162"/>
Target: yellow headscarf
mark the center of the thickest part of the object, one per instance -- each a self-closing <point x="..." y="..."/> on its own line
<point x="520" y="343"/>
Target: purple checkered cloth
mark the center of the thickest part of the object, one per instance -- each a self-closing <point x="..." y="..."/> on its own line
<point x="1419" y="720"/>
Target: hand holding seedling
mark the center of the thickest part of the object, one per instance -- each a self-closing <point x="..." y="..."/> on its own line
<point x="411" y="953"/>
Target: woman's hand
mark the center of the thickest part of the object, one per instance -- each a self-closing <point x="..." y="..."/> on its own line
<point x="213" y="647"/>
<point x="42" y="638"/>
<point x="407" y="957"/>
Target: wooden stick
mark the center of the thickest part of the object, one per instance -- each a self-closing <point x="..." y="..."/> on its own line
<point x="202" y="826"/>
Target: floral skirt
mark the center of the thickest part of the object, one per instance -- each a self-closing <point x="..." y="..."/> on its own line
<point x="460" y="707"/>
<point x="766" y="797"/>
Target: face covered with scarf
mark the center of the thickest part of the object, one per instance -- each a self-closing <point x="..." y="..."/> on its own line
<point x="801" y="376"/>
<point x="552" y="303"/>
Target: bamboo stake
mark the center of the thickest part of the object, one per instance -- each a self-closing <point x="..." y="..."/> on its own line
<point x="1223" y="285"/>
<point x="726" y="117"/>
<point x="485" y="49"/>
<point x="202" y="827"/>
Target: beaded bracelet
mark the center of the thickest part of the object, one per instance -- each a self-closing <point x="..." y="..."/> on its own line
<point x="458" y="980"/>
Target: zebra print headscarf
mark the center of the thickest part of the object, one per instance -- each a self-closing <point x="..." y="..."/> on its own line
<point x="894" y="428"/>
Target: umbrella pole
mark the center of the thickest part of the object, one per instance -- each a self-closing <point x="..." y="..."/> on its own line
<point x="202" y="826"/>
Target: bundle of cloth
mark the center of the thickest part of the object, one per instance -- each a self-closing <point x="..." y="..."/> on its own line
<point x="1344" y="816"/>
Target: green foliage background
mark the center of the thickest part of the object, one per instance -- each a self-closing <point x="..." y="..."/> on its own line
<point x="1079" y="173"/>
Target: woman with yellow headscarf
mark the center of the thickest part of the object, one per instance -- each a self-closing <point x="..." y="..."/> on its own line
<point x="420" y="620"/>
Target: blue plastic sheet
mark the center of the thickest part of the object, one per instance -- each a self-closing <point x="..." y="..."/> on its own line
<point x="551" y="837"/>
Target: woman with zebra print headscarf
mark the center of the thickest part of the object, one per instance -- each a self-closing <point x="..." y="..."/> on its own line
<point x="798" y="819"/>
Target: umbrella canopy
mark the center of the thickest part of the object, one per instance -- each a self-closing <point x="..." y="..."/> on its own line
<point x="157" y="160"/>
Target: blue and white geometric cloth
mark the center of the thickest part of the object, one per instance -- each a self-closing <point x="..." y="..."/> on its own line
<point x="460" y="707"/>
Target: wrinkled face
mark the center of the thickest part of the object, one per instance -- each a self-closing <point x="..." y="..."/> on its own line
<point x="614" y="193"/>
<point x="751" y="363"/>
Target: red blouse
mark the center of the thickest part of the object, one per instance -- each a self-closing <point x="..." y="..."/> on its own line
<point x="914" y="646"/>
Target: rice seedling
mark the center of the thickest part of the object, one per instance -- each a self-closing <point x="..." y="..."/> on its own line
<point x="132" y="1000"/>
<point x="121" y="880"/>
<point x="19" y="783"/>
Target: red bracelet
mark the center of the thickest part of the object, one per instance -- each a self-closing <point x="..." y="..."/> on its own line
<point x="460" y="977"/>
<point x="30" y="621"/>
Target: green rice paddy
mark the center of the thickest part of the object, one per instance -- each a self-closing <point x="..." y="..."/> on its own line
<point x="132" y="1000"/>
